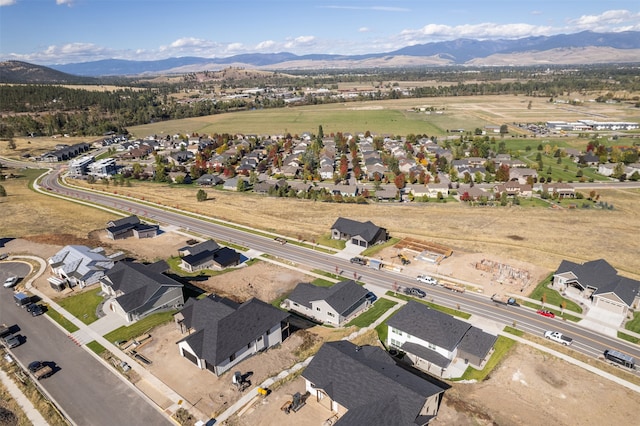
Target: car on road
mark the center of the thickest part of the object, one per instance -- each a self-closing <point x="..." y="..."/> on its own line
<point x="413" y="291"/>
<point x="546" y="313"/>
<point x="358" y="261"/>
<point x="10" y="282"/>
<point x="12" y="340"/>
<point x="426" y="279"/>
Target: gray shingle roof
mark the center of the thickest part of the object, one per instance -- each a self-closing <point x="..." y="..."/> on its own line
<point x="223" y="330"/>
<point x="430" y="325"/>
<point x="367" y="230"/>
<point x="477" y="342"/>
<point x="340" y="296"/>
<point x="138" y="282"/>
<point x="599" y="274"/>
<point x="369" y="384"/>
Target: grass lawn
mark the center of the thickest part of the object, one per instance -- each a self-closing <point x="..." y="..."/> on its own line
<point x="628" y="338"/>
<point x="367" y="318"/>
<point x="327" y="241"/>
<point x="553" y="298"/>
<point x="96" y="347"/>
<point x="371" y="251"/>
<point x="83" y="306"/>
<point x="634" y="324"/>
<point x="450" y="311"/>
<point x="145" y="325"/>
<point x="322" y="283"/>
<point x="502" y="347"/>
<point x="65" y="323"/>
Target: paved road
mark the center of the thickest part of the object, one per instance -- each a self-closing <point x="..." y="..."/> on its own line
<point x="88" y="392"/>
<point x="586" y="341"/>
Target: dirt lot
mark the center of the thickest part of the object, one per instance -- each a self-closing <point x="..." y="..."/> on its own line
<point x="528" y="387"/>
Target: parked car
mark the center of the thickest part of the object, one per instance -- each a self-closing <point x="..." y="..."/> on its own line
<point x="12" y="340"/>
<point x="10" y="282"/>
<point x="358" y="261"/>
<point x="37" y="310"/>
<point x="371" y="297"/>
<point x="426" y="279"/>
<point x="546" y="313"/>
<point x="3" y="256"/>
<point x="413" y="291"/>
<point x="40" y="370"/>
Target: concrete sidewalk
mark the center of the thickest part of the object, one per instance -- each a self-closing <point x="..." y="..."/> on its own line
<point x="33" y="415"/>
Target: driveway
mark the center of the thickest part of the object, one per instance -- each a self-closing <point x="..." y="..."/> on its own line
<point x="603" y="321"/>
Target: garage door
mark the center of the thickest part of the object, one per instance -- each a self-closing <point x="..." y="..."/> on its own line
<point x="191" y="357"/>
<point x="610" y="305"/>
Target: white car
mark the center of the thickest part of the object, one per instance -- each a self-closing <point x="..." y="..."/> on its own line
<point x="10" y="282"/>
<point x="426" y="279"/>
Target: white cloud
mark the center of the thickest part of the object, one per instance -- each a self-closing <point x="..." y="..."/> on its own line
<point x="364" y="30"/>
<point x="63" y="2"/>
<point x="265" y="45"/>
<point x="302" y="41"/>
<point x="7" y="2"/>
<point x="610" y="20"/>
<point x="486" y="30"/>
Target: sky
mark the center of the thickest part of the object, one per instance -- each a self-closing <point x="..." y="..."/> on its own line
<point x="47" y="32"/>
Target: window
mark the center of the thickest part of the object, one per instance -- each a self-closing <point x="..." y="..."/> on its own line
<point x="232" y="358"/>
<point x="432" y="346"/>
<point x="331" y="314"/>
<point x="249" y="346"/>
<point x="260" y="339"/>
<point x="318" y="309"/>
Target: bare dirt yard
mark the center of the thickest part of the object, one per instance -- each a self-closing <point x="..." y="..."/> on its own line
<point x="528" y="387"/>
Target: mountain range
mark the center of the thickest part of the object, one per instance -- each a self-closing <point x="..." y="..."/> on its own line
<point x="564" y="49"/>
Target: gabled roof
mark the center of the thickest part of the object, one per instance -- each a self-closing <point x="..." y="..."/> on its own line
<point x="430" y="325"/>
<point x="81" y="262"/>
<point x="138" y="282"/>
<point x="366" y="230"/>
<point x="369" y="384"/>
<point x="340" y="296"/>
<point x="603" y="277"/>
<point x="224" y="330"/>
<point x="204" y="246"/>
<point x="477" y="342"/>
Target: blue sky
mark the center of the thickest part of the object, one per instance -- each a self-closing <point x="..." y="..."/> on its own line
<point x="65" y="31"/>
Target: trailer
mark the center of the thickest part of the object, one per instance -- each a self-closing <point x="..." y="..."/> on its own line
<point x="504" y="300"/>
<point x="454" y="287"/>
<point x="22" y="299"/>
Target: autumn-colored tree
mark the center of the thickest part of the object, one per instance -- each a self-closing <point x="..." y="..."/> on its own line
<point x="502" y="174"/>
<point x="399" y="180"/>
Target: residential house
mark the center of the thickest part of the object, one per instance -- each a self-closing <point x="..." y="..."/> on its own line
<point x="598" y="281"/>
<point x="564" y="190"/>
<point x="208" y="255"/>
<point x="209" y="180"/>
<point x="363" y="234"/>
<point x="138" y="290"/>
<point x="335" y="305"/>
<point x="522" y="174"/>
<point x="513" y="189"/>
<point x="81" y="265"/>
<point x="588" y="159"/>
<point x="130" y="226"/>
<point x="436" y="342"/>
<point x="363" y="386"/>
<point x="222" y="333"/>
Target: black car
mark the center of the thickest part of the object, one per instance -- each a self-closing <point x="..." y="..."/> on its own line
<point x="371" y="297"/>
<point x="358" y="261"/>
<point x="36" y="310"/>
<point x="35" y="366"/>
<point x="413" y="291"/>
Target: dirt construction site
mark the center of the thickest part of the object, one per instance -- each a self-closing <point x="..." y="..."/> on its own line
<point x="527" y="387"/>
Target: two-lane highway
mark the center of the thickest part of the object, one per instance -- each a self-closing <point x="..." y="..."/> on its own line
<point x="587" y="341"/>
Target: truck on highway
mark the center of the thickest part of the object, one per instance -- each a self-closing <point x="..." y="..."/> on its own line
<point x="504" y="300"/>
<point x="556" y="336"/>
<point x="454" y="287"/>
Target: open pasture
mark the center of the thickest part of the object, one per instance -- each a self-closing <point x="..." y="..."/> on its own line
<point x="394" y="117"/>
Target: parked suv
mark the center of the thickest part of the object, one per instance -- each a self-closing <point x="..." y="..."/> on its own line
<point x="12" y="340"/>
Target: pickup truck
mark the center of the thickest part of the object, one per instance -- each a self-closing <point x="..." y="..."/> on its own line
<point x="556" y="336"/>
<point x="40" y="370"/>
<point x="504" y="300"/>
